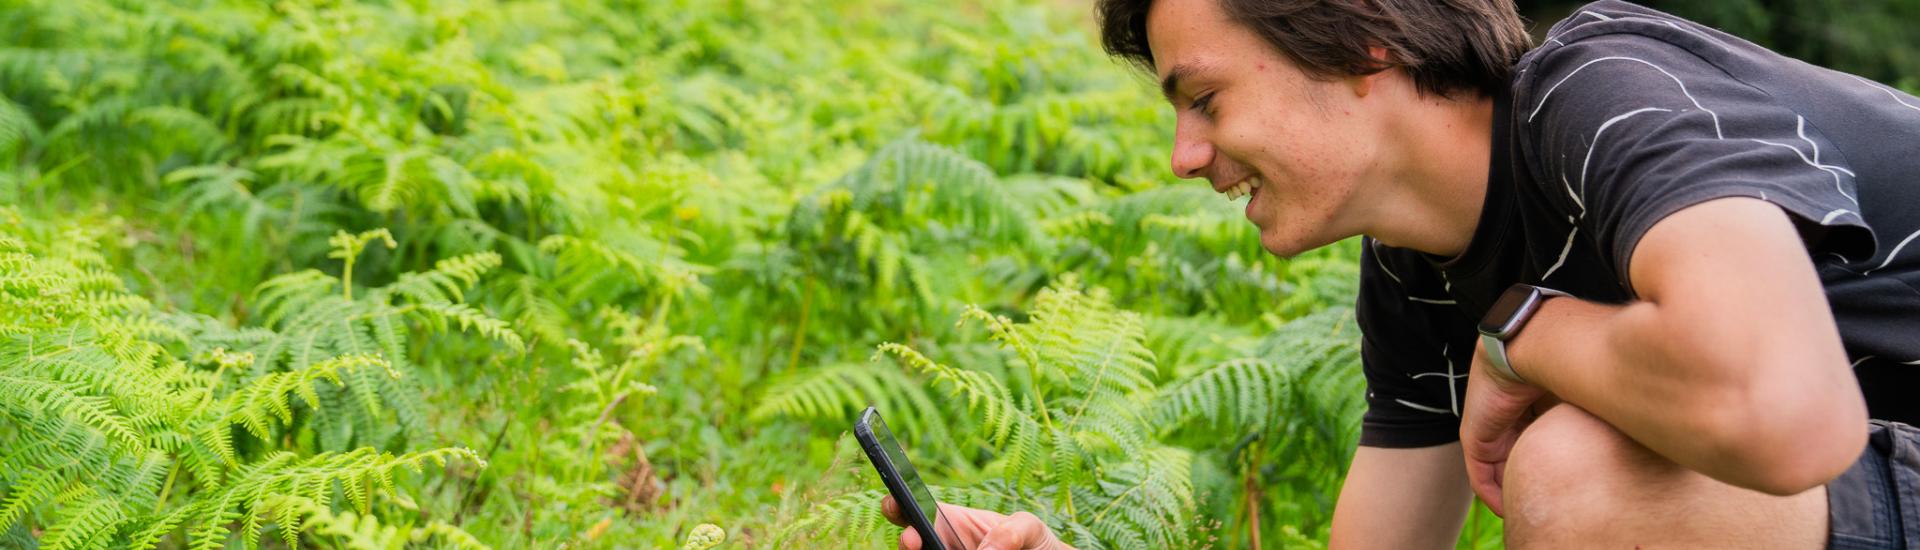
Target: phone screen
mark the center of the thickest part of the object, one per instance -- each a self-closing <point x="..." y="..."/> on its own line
<point x="921" y="496"/>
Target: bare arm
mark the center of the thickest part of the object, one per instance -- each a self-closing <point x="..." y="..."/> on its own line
<point x="1730" y="364"/>
<point x="1402" y="498"/>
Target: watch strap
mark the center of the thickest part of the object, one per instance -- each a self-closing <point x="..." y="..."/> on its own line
<point x="1496" y="351"/>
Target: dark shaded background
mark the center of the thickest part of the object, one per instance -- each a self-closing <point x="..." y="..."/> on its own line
<point x="1878" y="39"/>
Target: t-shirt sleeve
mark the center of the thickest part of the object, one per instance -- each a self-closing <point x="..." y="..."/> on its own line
<point x="1624" y="129"/>
<point x="1415" y="349"/>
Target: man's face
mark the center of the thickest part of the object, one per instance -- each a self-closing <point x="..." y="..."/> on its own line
<point x="1247" y="114"/>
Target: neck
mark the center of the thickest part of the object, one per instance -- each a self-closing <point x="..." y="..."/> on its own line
<point x="1438" y="165"/>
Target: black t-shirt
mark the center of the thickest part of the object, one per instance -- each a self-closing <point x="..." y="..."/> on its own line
<point x="1624" y="116"/>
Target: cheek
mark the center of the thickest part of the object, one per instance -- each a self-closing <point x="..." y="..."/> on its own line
<point x="1327" y="150"/>
<point x="1313" y="151"/>
<point x="1297" y="147"/>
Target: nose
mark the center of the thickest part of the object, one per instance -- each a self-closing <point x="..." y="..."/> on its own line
<point x="1191" y="151"/>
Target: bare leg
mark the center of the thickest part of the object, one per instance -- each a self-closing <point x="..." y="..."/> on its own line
<point x="1575" y="482"/>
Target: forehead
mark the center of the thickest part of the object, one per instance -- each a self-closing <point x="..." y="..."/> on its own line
<point x="1189" y="34"/>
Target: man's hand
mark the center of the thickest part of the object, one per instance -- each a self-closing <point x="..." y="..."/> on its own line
<point x="967" y="528"/>
<point x="1496" y="410"/>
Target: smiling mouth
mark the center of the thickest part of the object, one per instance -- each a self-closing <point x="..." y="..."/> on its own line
<point x="1243" y="188"/>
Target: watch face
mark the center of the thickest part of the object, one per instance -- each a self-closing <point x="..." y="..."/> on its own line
<point x="1510" y="311"/>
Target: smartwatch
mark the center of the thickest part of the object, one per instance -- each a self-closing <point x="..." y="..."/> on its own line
<point x="1504" y="320"/>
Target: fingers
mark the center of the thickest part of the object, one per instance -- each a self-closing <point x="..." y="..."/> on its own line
<point x="950" y="530"/>
<point x="963" y="527"/>
<point x="1492" y="419"/>
<point x="1485" y="479"/>
<point x="909" y="539"/>
<point x="891" y="510"/>
<point x="1486" y="459"/>
<point x="1020" y="531"/>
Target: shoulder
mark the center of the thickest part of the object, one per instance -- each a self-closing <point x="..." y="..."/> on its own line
<point x="1613" y="61"/>
<point x="1616" y="17"/>
<point x="1611" y="30"/>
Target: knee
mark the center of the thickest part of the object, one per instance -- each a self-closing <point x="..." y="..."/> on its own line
<point x="1567" y="473"/>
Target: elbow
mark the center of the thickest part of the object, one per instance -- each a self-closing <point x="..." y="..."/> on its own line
<point x="1798" y="471"/>
<point x="1784" y="439"/>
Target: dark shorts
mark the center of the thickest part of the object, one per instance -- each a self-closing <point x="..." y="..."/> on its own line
<point x="1876" y="503"/>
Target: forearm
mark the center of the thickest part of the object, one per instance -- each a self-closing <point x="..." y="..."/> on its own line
<point x="1735" y="404"/>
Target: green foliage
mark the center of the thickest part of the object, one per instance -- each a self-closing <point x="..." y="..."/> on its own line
<point x="872" y="230"/>
<point x="1076" y="426"/>
<point x="117" y="439"/>
<point x="312" y="316"/>
<point x="329" y="529"/>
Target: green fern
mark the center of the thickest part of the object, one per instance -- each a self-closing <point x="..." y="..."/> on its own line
<point x="836" y="392"/>
<point x="1085" y="433"/>
<point x="894" y="230"/>
<point x="324" y="527"/>
<point x="313" y="316"/>
<point x="1290" y="403"/>
<point x="1073" y="434"/>
<point x="113" y="441"/>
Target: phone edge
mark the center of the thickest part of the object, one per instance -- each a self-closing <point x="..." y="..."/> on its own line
<point x="889" y="476"/>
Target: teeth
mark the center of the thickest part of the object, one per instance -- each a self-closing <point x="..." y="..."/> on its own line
<point x="1244" y="188"/>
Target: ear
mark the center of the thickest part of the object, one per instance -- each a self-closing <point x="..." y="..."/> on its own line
<point x="1363" y="84"/>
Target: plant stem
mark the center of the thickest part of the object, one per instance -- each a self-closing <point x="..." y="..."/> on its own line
<point x="166" y="488"/>
<point x="800" y="328"/>
<point x="1253" y="499"/>
<point x="346" y="276"/>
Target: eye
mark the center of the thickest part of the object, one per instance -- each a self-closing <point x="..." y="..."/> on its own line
<point x="1204" y="104"/>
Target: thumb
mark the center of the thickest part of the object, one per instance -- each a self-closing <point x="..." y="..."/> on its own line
<point x="1020" y="531"/>
<point x="891" y="510"/>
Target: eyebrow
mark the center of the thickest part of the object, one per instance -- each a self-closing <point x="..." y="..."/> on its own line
<point x="1171" y="82"/>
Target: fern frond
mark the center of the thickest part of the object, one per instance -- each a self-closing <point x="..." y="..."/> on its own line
<point x="357" y="472"/>
<point x="279" y="298"/>
<point x="837" y="392"/>
<point x="609" y="266"/>
<point x="472" y="319"/>
<point x="446" y="282"/>
<point x="1002" y="418"/>
<point x="348" y="246"/>
<point x="294" y="515"/>
<point x="17" y="131"/>
<point x="253" y="404"/>
<point x="1243" y="393"/>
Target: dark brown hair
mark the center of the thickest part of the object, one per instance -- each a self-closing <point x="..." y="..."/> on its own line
<point x="1447" y="46"/>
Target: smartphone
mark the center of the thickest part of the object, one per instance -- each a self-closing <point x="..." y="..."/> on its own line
<point x="916" y="502"/>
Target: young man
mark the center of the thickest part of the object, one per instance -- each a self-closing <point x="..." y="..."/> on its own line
<point x="1643" y="285"/>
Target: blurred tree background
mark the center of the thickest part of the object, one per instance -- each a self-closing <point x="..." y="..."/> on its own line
<point x="1877" y="39"/>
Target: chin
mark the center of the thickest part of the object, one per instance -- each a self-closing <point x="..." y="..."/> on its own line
<point x="1284" y="246"/>
<point x="1287" y="245"/>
